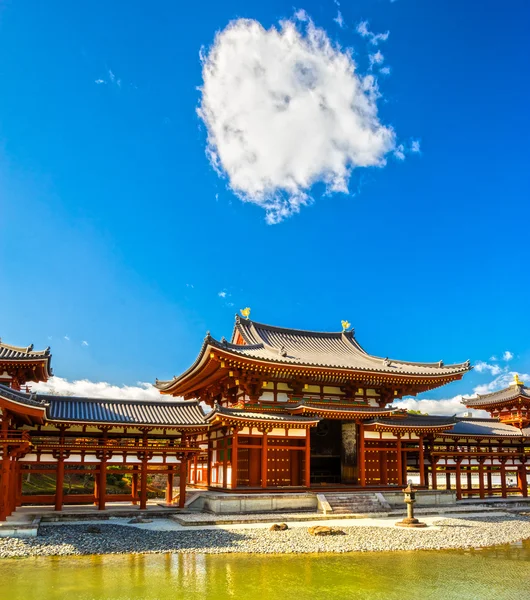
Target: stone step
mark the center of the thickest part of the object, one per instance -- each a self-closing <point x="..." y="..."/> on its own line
<point x="354" y="503"/>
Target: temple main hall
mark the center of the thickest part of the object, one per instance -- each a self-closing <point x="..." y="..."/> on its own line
<point x="272" y="410"/>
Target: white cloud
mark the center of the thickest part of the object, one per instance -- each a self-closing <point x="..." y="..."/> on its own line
<point x="111" y="78"/>
<point x="99" y="81"/>
<point x="399" y="152"/>
<point x="482" y="367"/>
<point x="285" y="108"/>
<point x="373" y="38"/>
<point x="507" y="355"/>
<point x="222" y="294"/>
<point x="92" y="389"/>
<point x="66" y="338"/>
<point x="84" y="343"/>
<point x="493" y="357"/>
<point x="500" y="382"/>
<point x="385" y="71"/>
<point x="449" y="406"/>
<point x="339" y="19"/>
<point x="415" y="146"/>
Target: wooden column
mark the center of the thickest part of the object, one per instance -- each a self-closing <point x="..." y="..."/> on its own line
<point x="433" y="473"/>
<point x="422" y="462"/>
<point x="143" y="484"/>
<point x="96" y="488"/>
<point x="19" y="485"/>
<point x="209" y="464"/>
<point x="307" y="472"/>
<point x="195" y="463"/>
<point x="399" y="460"/>
<point x="384" y="467"/>
<point x="503" y="478"/>
<point x="481" y="476"/>
<point x="183" y="478"/>
<point x="447" y="478"/>
<point x="522" y="480"/>
<point x="59" y="482"/>
<point x="264" y="452"/>
<point x="490" y="479"/>
<point x="469" y="480"/>
<point x="102" y="483"/>
<point x="225" y="460"/>
<point x="134" y="485"/>
<point x="169" y="486"/>
<point x="4" y="491"/>
<point x="458" y="482"/>
<point x="233" y="483"/>
<point x="362" y="456"/>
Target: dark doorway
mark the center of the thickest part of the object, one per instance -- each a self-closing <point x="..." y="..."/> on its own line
<point x="326" y="442"/>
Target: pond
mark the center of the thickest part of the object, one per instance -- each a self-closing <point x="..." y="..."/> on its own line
<point x="497" y="573"/>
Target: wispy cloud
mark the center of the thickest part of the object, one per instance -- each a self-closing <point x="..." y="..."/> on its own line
<point x="84" y="343"/>
<point x="399" y="152"/>
<point x="507" y="356"/>
<point x="66" y="338"/>
<point x="285" y="109"/>
<point x="110" y="78"/>
<point x="415" y="146"/>
<point x="373" y="38"/>
<point x="222" y="294"/>
<point x="339" y="19"/>
<point x="376" y="59"/>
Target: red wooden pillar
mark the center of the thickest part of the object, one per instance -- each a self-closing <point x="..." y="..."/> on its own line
<point x="264" y="458"/>
<point x="59" y="482"/>
<point x="469" y="480"/>
<point x="195" y="464"/>
<point x="447" y="478"/>
<point x="362" y="456"/>
<point x="96" y="488"/>
<point x="102" y="483"/>
<point x="433" y="473"/>
<point x="225" y="459"/>
<point x="19" y="485"/>
<point x="490" y="479"/>
<point x="307" y="472"/>
<point x="143" y="484"/>
<point x="233" y="483"/>
<point x="522" y="483"/>
<point x="12" y="486"/>
<point x="4" y="491"/>
<point x="209" y="465"/>
<point x="399" y="460"/>
<point x="134" y="485"/>
<point x="422" y="462"/>
<point x="503" y="478"/>
<point x="182" y="483"/>
<point x="458" y="481"/>
<point x="481" y="476"/>
<point x="169" y="486"/>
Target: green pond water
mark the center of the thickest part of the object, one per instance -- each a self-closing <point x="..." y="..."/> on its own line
<point x="499" y="573"/>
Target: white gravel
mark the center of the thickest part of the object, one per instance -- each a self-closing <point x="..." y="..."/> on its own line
<point x="461" y="532"/>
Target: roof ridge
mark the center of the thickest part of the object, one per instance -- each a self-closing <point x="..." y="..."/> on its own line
<point x="25" y="349"/>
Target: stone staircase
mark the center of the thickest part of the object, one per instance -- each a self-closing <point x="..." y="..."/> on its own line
<point x="348" y="503"/>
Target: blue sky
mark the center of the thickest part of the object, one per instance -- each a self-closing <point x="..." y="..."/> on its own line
<point x="116" y="230"/>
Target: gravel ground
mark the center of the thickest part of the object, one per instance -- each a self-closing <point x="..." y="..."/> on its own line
<point x="117" y="539"/>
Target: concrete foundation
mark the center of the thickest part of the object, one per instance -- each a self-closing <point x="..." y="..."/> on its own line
<point x="253" y="503"/>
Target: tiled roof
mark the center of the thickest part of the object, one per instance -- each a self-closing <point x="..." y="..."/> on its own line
<point x="338" y="350"/>
<point x="258" y="416"/>
<point x="504" y="395"/>
<point x="22" y="353"/>
<point x="485" y="427"/>
<point x="115" y="412"/>
<point x="124" y="412"/>
<point x="419" y="421"/>
<point x="20" y="397"/>
<point x="329" y="349"/>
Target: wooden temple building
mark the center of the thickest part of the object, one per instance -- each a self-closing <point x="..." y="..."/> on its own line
<point x="271" y="410"/>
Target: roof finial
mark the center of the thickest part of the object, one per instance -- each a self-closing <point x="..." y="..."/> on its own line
<point x="516" y="380"/>
<point x="245" y="312"/>
<point x="345" y="326"/>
